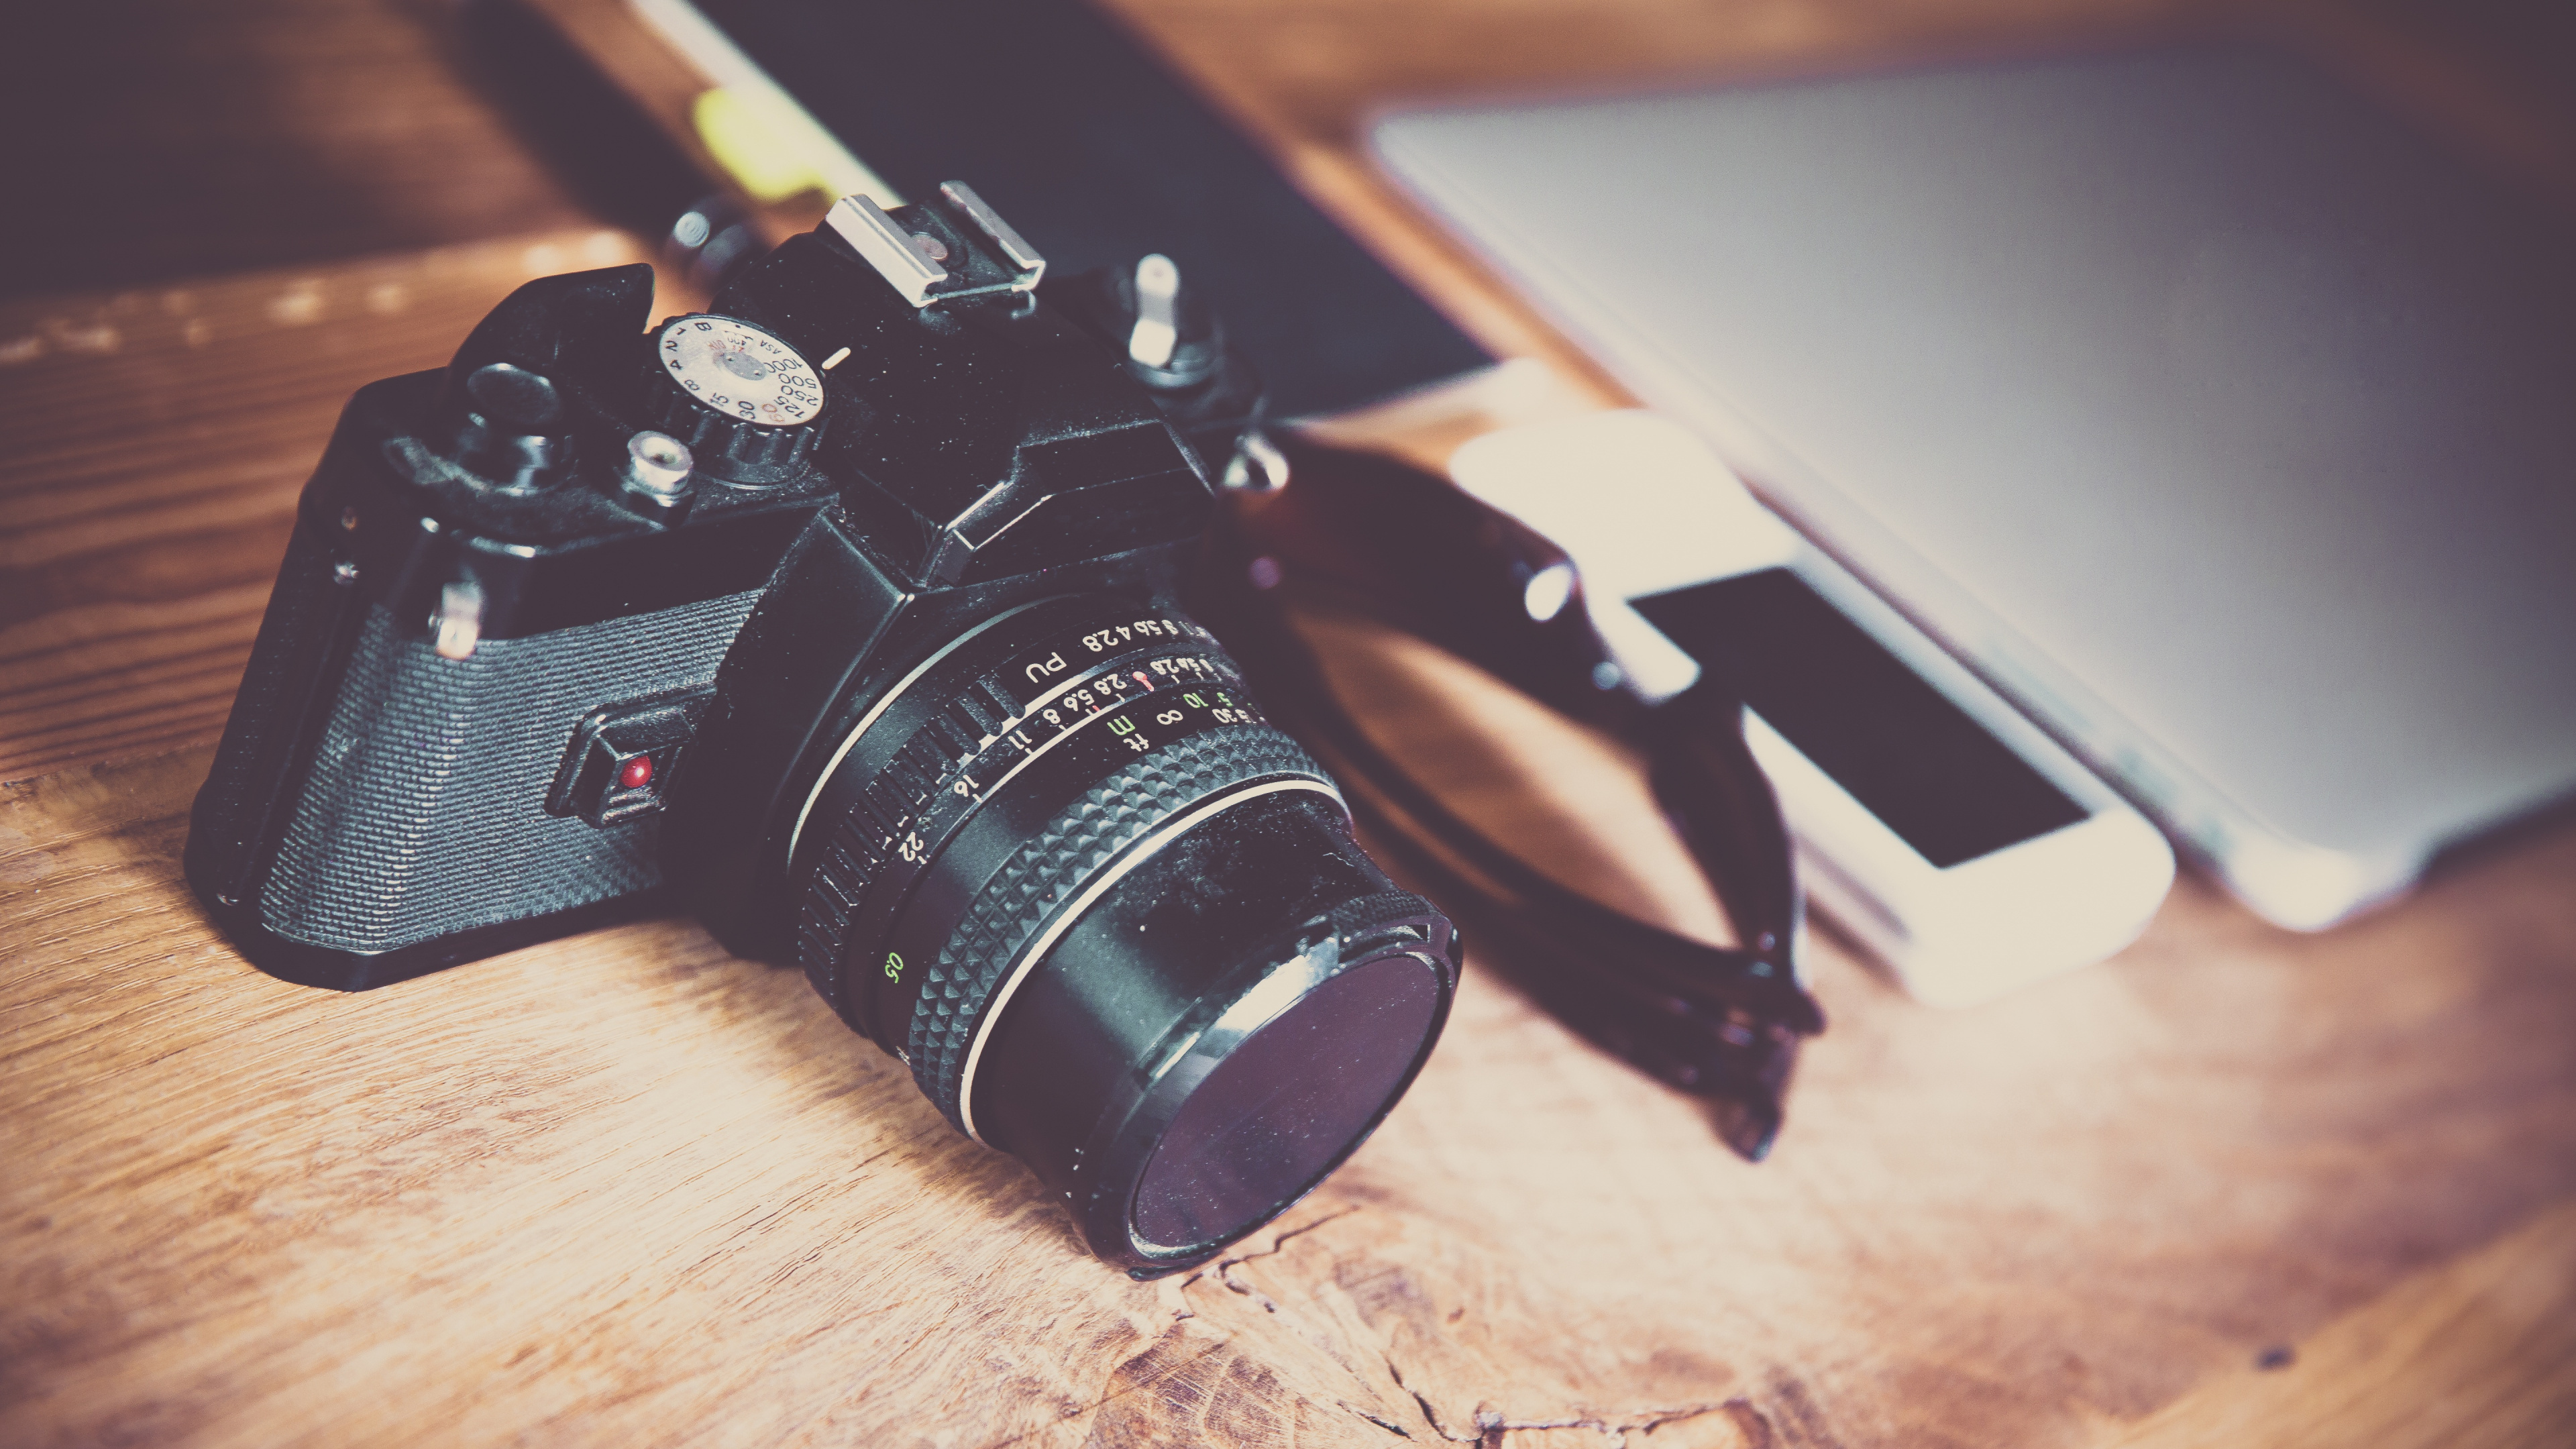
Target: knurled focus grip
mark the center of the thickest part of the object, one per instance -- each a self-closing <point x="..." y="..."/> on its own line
<point x="1052" y="866"/>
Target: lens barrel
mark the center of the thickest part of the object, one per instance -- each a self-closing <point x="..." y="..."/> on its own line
<point x="1115" y="922"/>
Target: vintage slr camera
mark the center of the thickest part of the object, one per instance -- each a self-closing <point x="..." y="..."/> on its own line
<point x="845" y="616"/>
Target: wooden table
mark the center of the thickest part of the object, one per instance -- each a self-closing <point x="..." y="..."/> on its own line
<point x="2236" y="1187"/>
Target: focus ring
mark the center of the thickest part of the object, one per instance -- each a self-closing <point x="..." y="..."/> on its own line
<point x="1053" y="863"/>
<point x="831" y="898"/>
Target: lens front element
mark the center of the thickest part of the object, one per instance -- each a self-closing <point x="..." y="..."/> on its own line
<point x="1280" y="1110"/>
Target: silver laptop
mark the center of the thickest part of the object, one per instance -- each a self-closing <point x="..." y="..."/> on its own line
<point x="2224" y="421"/>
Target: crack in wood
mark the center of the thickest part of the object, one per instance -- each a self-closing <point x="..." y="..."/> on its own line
<point x="1223" y="1273"/>
<point x="1430" y="1415"/>
<point x="1397" y="1430"/>
<point x="1806" y="1420"/>
<point x="1180" y="1292"/>
<point x="1225" y="1267"/>
<point x="1149" y="1381"/>
<point x="1752" y="1423"/>
<point x="1614" y="1429"/>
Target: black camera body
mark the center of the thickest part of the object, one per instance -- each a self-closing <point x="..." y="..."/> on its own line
<point x="986" y="456"/>
<point x="847" y="616"/>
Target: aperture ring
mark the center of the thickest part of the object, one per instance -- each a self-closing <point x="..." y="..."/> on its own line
<point x="894" y="830"/>
<point x="963" y="724"/>
<point x="1052" y="866"/>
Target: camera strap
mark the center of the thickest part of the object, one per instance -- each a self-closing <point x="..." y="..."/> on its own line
<point x="1364" y="533"/>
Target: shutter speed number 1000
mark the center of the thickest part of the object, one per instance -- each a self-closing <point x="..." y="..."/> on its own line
<point x="741" y="371"/>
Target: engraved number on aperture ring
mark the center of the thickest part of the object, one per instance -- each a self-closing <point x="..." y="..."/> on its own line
<point x="1079" y="702"/>
<point x="1095" y="748"/>
<point x="876" y="853"/>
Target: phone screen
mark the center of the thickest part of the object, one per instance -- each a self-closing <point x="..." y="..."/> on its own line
<point x="1938" y="779"/>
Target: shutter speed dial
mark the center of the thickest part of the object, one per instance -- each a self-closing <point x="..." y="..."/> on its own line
<point x="748" y="405"/>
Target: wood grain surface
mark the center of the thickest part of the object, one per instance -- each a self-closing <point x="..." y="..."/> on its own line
<point x="625" y="1188"/>
<point x="153" y="141"/>
<point x="2236" y="1187"/>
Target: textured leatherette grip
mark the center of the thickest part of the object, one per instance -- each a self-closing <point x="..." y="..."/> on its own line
<point x="256" y="760"/>
<point x="424" y="810"/>
<point x="1053" y="864"/>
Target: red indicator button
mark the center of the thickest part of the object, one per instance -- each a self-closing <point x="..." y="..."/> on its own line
<point x="636" y="773"/>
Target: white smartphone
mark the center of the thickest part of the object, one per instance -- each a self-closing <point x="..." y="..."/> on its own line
<point x="1934" y="822"/>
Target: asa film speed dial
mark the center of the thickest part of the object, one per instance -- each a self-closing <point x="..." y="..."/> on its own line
<point x="748" y="405"/>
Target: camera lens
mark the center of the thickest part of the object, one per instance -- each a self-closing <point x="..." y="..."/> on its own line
<point x="1115" y="923"/>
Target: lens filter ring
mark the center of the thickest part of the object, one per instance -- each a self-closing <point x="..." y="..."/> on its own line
<point x="1216" y="1033"/>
